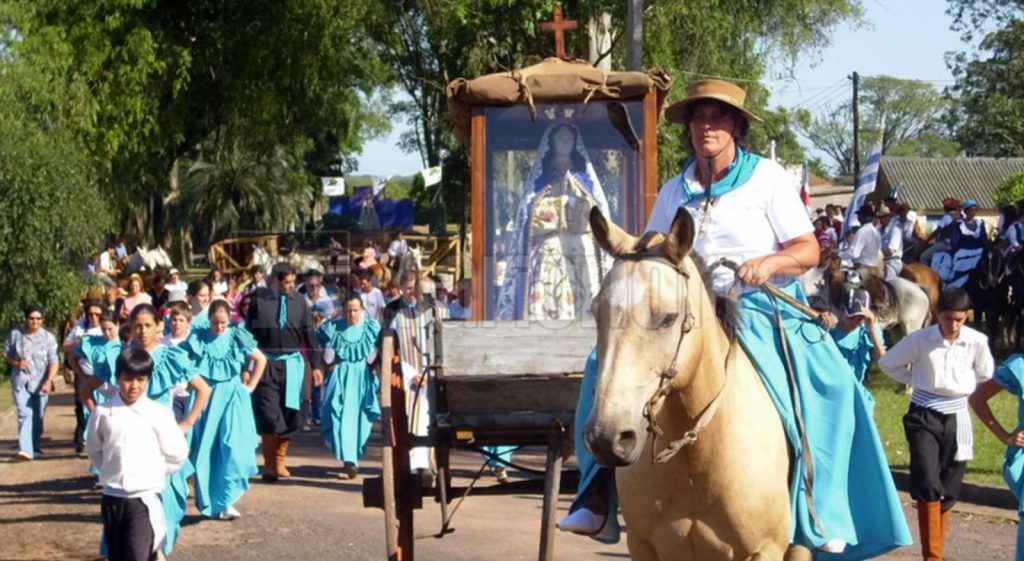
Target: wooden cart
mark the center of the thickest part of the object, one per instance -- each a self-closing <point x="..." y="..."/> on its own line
<point x="517" y="382"/>
<point x="508" y="384"/>
<point x="234" y="255"/>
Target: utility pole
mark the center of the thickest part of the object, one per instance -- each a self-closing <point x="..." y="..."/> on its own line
<point x="635" y="35"/>
<point x="856" y="135"/>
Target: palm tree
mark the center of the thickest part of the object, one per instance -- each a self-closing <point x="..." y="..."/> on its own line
<point x="232" y="187"/>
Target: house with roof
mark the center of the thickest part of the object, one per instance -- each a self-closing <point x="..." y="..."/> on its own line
<point x="922" y="183"/>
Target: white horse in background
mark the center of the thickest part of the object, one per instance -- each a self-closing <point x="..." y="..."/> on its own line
<point x="262" y="259"/>
<point x="411" y="260"/>
<point x="145" y="259"/>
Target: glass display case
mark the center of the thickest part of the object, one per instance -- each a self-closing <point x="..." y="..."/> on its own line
<point x="534" y="256"/>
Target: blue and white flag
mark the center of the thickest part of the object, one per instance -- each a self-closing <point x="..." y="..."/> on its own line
<point x="431" y="176"/>
<point x="865" y="183"/>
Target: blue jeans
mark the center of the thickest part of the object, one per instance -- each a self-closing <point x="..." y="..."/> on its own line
<point x="31" y="408"/>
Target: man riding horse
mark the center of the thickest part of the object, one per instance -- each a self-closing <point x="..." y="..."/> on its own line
<point x="731" y="217"/>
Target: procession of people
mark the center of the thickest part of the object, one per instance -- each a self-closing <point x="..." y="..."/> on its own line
<point x="179" y="387"/>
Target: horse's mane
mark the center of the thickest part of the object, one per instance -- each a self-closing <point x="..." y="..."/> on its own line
<point x="727" y="306"/>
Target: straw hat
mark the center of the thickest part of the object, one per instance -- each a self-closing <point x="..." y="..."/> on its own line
<point x="717" y="90"/>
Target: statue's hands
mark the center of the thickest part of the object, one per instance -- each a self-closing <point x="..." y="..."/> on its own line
<point x="579" y="216"/>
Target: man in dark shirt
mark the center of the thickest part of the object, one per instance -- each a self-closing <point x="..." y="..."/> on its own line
<point x="279" y="319"/>
<point x="159" y="293"/>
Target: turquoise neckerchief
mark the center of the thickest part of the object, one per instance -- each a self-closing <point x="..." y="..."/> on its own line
<point x="282" y="310"/>
<point x="740" y="170"/>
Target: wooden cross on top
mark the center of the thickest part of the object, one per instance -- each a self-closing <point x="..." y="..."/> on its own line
<point x="559" y="27"/>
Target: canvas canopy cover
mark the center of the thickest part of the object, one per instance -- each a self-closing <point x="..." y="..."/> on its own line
<point x="552" y="80"/>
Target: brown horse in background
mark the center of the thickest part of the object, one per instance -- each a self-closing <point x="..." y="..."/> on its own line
<point x="928" y="279"/>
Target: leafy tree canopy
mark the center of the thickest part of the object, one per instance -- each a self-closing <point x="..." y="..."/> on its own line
<point x="914" y="124"/>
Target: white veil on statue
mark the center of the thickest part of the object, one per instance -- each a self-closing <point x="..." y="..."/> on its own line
<point x="513" y="298"/>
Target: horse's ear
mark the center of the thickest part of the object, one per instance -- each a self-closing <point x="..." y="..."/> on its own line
<point x="679" y="239"/>
<point x="610" y="237"/>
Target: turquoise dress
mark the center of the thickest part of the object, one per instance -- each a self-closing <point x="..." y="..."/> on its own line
<point x="172" y="365"/>
<point x="854" y="495"/>
<point x="349" y="404"/>
<point x="1010" y="375"/>
<point x="224" y="439"/>
<point x="102" y="355"/>
<point x="856" y="347"/>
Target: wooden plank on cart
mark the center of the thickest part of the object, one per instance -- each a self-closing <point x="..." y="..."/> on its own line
<point x="537" y="348"/>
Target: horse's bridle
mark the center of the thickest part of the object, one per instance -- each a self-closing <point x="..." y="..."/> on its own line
<point x="654" y="404"/>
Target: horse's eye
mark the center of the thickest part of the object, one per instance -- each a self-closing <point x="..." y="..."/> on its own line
<point x="668" y="320"/>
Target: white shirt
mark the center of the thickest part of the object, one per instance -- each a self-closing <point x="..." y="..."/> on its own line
<point x="398" y="247"/>
<point x="937" y="366"/>
<point x="135" y="447"/>
<point x="907" y="223"/>
<point x="77" y="332"/>
<point x="373" y="302"/>
<point x="892" y="240"/>
<point x="105" y="264"/>
<point x="750" y="221"/>
<point x="867" y="244"/>
<point x="219" y="288"/>
<point x="180" y="286"/>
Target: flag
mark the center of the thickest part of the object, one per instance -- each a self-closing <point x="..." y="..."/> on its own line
<point x="431" y="176"/>
<point x="378" y="187"/>
<point x="866" y="182"/>
<point x="333" y="186"/>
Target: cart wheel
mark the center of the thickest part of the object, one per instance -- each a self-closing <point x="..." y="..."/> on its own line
<point x="397" y="481"/>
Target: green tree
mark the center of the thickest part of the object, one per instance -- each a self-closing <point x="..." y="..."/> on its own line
<point x="914" y="124"/>
<point x="989" y="116"/>
<point x="153" y="81"/>
<point x="51" y="212"/>
<point x="1011" y="190"/>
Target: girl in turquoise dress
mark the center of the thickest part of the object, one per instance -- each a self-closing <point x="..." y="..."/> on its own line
<point x="170" y="366"/>
<point x="1009" y="376"/>
<point x="350" y="404"/>
<point x="224" y="439"/>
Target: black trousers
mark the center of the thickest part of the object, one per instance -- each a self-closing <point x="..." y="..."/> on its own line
<point x="126" y="527"/>
<point x="268" y="403"/>
<point x="935" y="475"/>
<point x="79" y="438"/>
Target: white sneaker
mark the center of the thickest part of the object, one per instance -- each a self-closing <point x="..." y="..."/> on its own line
<point x="586" y="522"/>
<point x="835" y="545"/>
<point x="230" y="513"/>
<point x="24" y="456"/>
<point x="306" y="427"/>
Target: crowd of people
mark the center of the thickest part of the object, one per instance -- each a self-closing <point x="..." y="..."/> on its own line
<point x="237" y="364"/>
<point x="880" y="240"/>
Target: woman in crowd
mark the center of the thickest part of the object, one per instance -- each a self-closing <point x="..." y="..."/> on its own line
<point x="350" y="404"/>
<point x="136" y="295"/>
<point x="31" y="355"/>
<point x="225" y="439"/>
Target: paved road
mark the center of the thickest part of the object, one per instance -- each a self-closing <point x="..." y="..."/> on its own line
<point x="48" y="510"/>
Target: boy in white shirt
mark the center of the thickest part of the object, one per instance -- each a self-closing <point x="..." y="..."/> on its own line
<point x="135" y="443"/>
<point x="943" y="364"/>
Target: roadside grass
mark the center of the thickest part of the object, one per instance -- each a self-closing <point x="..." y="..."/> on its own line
<point x="6" y="399"/>
<point x="890" y="406"/>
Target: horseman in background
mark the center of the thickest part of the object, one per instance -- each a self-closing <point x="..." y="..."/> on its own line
<point x="968" y="240"/>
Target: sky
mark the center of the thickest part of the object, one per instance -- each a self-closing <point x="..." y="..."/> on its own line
<point x="902" y="38"/>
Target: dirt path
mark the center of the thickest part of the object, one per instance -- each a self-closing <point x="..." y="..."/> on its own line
<point x="49" y="510"/>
